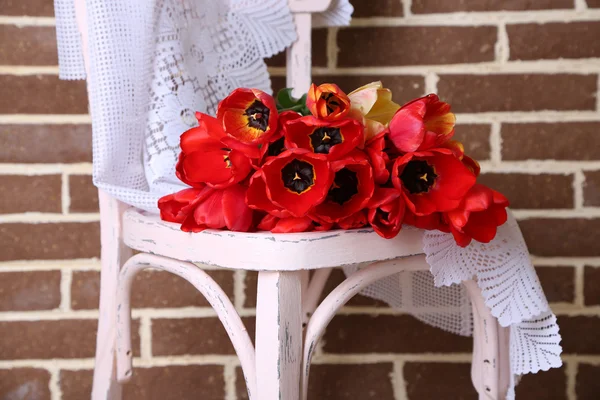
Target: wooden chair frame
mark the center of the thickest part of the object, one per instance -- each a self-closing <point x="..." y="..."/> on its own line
<point x="278" y="366"/>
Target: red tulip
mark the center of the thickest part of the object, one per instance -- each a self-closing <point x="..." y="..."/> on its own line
<point x="327" y="101"/>
<point x="276" y="144"/>
<point x="248" y="116"/>
<point x="351" y="189"/>
<point x="208" y="208"/>
<point x="205" y="159"/>
<point x="431" y="222"/>
<point x="432" y="180"/>
<point x="334" y="139"/>
<point x="386" y="212"/>
<point x="285" y="225"/>
<point x="478" y="216"/>
<point x="354" y="221"/>
<point x="290" y="184"/>
<point x="378" y="158"/>
<point x="422" y="124"/>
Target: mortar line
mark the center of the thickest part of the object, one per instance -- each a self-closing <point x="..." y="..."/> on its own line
<point x="66" y="279"/>
<point x="45" y="169"/>
<point x="239" y="289"/>
<point x="332" y="48"/>
<point x="145" y="332"/>
<point x="229" y="377"/>
<point x="54" y="383"/>
<point x="571" y="368"/>
<point x="25" y="70"/>
<point x="479" y="18"/>
<point x="22" y="21"/>
<point x="39" y="218"/>
<point x="431" y="81"/>
<point x="502" y="47"/>
<point x="407" y="8"/>
<point x="398" y="383"/>
<point x="580" y="5"/>
<point x="579" y="284"/>
<point x="495" y="144"/>
<point x="578" y="183"/>
<point x="65" y="193"/>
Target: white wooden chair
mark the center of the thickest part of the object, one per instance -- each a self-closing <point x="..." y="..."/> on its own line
<point x="289" y="320"/>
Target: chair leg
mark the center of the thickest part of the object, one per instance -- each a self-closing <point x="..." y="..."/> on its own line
<point x="279" y="335"/>
<point x="114" y="253"/>
<point x="490" y="369"/>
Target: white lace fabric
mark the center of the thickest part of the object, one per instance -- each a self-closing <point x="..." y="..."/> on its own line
<point x="509" y="284"/>
<point x="153" y="63"/>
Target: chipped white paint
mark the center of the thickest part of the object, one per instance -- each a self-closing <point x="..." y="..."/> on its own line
<point x="278" y="335"/>
<point x="213" y="293"/>
<point x="340" y="296"/>
<point x="490" y="369"/>
<point x="264" y="251"/>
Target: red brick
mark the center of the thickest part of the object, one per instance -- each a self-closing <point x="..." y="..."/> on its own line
<point x="591" y="188"/>
<point x="476" y="139"/>
<point x="558" y="283"/>
<point x="151" y="289"/>
<point x="545" y="190"/>
<point x="24" y="384"/>
<point x="448" y="6"/>
<point x="580" y="334"/>
<point x="587" y="386"/>
<point x="34" y="193"/>
<point x="46" y="339"/>
<point x="389" y="334"/>
<point x="591" y="286"/>
<point x="157" y="383"/>
<point x="430" y="45"/>
<point x="41" y="8"/>
<point x="30" y="45"/>
<point x="29" y="290"/>
<point x="49" y="95"/>
<point x="52" y="241"/>
<point x="45" y="143"/>
<point x="554" y="141"/>
<point x="523" y="92"/>
<point x="551" y="384"/>
<point x="319" y="51"/>
<point x="83" y="193"/>
<point x="435" y="381"/>
<point x="180" y="336"/>
<point x="558" y="237"/>
<point x="404" y="87"/>
<point x="377" y="8"/>
<point x="593" y="3"/>
<point x="341" y="382"/>
<point x="554" y="40"/>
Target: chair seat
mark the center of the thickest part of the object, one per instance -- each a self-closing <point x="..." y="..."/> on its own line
<point x="265" y="251"/>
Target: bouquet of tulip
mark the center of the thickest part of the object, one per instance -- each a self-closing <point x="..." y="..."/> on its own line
<point x="330" y="161"/>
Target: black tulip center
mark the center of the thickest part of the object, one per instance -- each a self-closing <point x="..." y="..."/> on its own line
<point x="345" y="185"/>
<point x="277" y="147"/>
<point x="298" y="176"/>
<point x="418" y="176"/>
<point x="258" y="115"/>
<point x="322" y="139"/>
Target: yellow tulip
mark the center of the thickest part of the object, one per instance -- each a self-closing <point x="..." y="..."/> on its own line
<point x="372" y="105"/>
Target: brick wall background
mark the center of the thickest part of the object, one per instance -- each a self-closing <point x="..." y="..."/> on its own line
<point x="523" y="78"/>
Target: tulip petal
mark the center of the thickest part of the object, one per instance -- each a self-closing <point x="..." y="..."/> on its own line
<point x="407" y="129"/>
<point x="238" y="217"/>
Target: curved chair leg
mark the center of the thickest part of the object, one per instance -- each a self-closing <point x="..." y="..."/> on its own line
<point x="340" y="296"/>
<point x="490" y="369"/>
<point x="310" y="299"/>
<point x="204" y="284"/>
<point x="114" y="253"/>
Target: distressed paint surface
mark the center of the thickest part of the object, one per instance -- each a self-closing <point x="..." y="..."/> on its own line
<point x="265" y="251"/>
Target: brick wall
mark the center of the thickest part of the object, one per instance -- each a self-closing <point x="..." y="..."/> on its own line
<point x="523" y="77"/>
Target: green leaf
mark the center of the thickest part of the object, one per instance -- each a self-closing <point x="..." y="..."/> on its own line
<point x="285" y="98"/>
